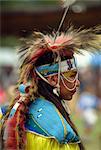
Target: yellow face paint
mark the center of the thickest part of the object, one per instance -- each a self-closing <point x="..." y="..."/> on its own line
<point x="71" y="74"/>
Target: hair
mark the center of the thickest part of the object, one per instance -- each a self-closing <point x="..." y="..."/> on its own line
<point x="50" y="96"/>
<point x="15" y="125"/>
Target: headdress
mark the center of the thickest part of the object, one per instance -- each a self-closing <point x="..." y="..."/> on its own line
<point x="59" y="43"/>
<point x="68" y="43"/>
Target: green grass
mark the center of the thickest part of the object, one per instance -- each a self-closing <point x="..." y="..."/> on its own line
<point x="93" y="140"/>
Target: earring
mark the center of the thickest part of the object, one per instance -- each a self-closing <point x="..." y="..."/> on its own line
<point x="55" y="91"/>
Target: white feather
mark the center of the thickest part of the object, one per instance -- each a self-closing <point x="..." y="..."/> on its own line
<point x="68" y="2"/>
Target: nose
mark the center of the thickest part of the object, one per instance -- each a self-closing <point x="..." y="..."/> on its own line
<point x="77" y="83"/>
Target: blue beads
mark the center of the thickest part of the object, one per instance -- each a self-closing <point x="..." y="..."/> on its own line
<point x="39" y="115"/>
<point x="22" y="88"/>
<point x="40" y="110"/>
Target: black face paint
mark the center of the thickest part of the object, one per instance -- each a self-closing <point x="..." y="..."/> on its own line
<point x="69" y="64"/>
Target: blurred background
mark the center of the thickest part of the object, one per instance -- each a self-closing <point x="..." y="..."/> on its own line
<point x="18" y="19"/>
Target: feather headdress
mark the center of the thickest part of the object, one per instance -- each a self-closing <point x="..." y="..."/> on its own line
<point x="76" y="40"/>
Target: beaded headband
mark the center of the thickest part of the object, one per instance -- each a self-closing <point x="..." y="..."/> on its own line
<point x="48" y="69"/>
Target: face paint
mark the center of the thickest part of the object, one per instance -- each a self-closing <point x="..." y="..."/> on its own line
<point x="68" y="65"/>
<point x="67" y="87"/>
<point x="66" y="70"/>
<point x="70" y="76"/>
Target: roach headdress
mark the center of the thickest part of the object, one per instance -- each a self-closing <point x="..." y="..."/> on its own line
<point x="74" y="40"/>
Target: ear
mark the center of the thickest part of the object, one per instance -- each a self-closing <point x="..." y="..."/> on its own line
<point x="53" y="80"/>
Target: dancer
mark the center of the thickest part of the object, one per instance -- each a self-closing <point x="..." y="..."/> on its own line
<point x="38" y="117"/>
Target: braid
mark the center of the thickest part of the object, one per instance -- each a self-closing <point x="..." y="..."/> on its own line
<point x="21" y="118"/>
<point x="5" y="117"/>
<point x="14" y="126"/>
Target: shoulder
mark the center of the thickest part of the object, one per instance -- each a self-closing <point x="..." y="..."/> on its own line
<point x="41" y="105"/>
<point x="43" y="118"/>
<point x="43" y="109"/>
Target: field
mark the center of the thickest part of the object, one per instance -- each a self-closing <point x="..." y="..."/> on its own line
<point x="92" y="141"/>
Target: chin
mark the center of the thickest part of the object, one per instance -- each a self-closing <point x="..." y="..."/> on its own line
<point x="68" y="98"/>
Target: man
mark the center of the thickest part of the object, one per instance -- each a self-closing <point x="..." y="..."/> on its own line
<point x="37" y="118"/>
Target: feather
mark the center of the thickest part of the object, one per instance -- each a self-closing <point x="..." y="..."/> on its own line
<point x="15" y="127"/>
<point x="76" y="40"/>
<point x="67" y="3"/>
<point x="88" y="39"/>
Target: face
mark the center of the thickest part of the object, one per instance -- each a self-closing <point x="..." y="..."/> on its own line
<point x="65" y="93"/>
<point x="68" y="75"/>
<point x="69" y="80"/>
